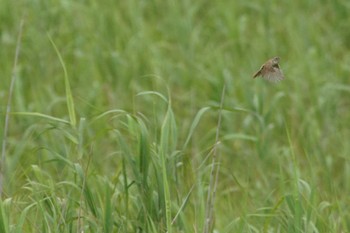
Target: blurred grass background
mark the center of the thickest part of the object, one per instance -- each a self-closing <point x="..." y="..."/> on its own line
<point x="146" y="79"/>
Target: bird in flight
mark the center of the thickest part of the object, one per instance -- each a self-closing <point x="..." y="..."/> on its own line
<point x="270" y="70"/>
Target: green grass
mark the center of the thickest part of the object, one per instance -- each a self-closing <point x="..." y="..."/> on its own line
<point x="115" y="112"/>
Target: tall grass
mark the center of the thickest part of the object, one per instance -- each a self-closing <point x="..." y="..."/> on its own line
<point x="8" y="107"/>
<point x="115" y="114"/>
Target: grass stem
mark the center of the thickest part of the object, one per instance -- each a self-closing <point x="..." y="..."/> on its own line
<point x="8" y="108"/>
<point x="209" y="215"/>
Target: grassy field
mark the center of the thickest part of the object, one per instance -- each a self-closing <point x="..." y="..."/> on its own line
<point x="123" y="112"/>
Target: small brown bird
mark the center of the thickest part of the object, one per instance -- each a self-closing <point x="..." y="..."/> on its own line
<point x="270" y="70"/>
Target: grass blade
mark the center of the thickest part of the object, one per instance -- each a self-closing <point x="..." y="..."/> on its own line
<point x="38" y="114"/>
<point x="69" y="97"/>
<point x="8" y="108"/>
<point x="4" y="228"/>
<point x="194" y="124"/>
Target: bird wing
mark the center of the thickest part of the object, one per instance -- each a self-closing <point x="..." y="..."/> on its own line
<point x="258" y="72"/>
<point x="274" y="76"/>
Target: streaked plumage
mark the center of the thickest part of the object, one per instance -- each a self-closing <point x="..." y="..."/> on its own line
<point x="270" y="70"/>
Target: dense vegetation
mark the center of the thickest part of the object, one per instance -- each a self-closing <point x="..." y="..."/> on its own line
<point x="114" y="123"/>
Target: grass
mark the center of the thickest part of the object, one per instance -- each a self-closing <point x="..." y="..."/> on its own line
<point x="115" y="109"/>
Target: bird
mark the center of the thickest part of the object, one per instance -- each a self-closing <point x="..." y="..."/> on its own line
<point x="270" y="70"/>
